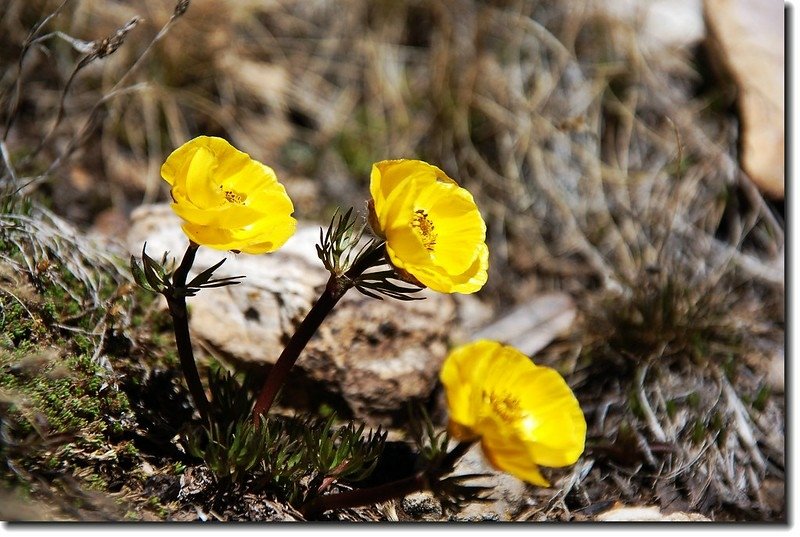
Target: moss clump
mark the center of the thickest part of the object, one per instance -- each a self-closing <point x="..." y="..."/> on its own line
<point x="69" y="394"/>
<point x="18" y="326"/>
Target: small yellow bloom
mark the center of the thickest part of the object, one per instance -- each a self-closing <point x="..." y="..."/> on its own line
<point x="524" y="415"/>
<point x="227" y="200"/>
<point x="432" y="227"/>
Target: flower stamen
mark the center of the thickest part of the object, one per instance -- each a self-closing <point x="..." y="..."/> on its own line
<point x="425" y="228"/>
<point x="505" y="405"/>
<point x="235" y="197"/>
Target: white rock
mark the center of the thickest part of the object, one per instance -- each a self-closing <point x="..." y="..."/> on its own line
<point x="647" y="514"/>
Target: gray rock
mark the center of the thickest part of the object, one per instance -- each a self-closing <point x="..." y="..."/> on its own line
<point x="422" y="506"/>
<point x="376" y="355"/>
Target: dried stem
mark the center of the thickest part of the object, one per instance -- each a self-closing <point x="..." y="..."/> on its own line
<point x="90" y="123"/>
<point x="30" y="40"/>
<point x="650" y="416"/>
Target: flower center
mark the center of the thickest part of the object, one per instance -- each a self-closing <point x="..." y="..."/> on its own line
<point x="234" y="197"/>
<point x="504" y="405"/>
<point x="424" y="228"/>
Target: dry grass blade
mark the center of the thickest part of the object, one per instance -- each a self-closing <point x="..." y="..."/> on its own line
<point x="30" y="40"/>
<point x="92" y="51"/>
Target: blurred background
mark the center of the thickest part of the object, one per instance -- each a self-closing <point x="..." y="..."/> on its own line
<point x="614" y="148"/>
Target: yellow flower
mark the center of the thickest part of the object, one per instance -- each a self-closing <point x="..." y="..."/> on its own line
<point x="524" y="415"/>
<point x="227" y="200"/>
<point x="433" y="229"/>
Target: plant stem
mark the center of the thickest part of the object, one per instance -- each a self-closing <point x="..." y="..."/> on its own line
<point x="387" y="491"/>
<point x="183" y="341"/>
<point x="368" y="496"/>
<point x="277" y="375"/>
<point x="337" y="286"/>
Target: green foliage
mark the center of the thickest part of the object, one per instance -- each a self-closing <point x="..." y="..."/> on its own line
<point x="431" y="445"/>
<point x="293" y="457"/>
<point x="437" y="462"/>
<point x="18" y="324"/>
<point x="356" y="143"/>
<point x="344" y="453"/>
<point x="72" y="394"/>
<point x="339" y="251"/>
<point x="62" y="408"/>
<point x="237" y="450"/>
<point x="663" y="316"/>
<point x="337" y="245"/>
<point x="157" y="276"/>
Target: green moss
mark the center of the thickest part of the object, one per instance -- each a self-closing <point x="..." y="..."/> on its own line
<point x="96" y="482"/>
<point x="717" y="425"/>
<point x="19" y="325"/>
<point x="672" y="408"/>
<point x="634" y="405"/>
<point x="83" y="343"/>
<point x="130" y="449"/>
<point x="729" y="364"/>
<point x="155" y="503"/>
<point x="80" y="399"/>
<point x="170" y="358"/>
<point x="358" y="145"/>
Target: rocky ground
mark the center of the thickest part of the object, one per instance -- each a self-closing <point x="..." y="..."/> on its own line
<point x="624" y="160"/>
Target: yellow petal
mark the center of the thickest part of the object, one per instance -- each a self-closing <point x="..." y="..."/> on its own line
<point x="269" y="237"/>
<point x="226" y="216"/>
<point x="405" y="248"/>
<point x="387" y="174"/>
<point x="212" y="237"/>
<point x="513" y="459"/>
<point x="460" y="375"/>
<point x="558" y="436"/>
<point x="249" y="176"/>
<point x="459" y="228"/>
<point x="436" y="278"/>
<point x="270" y="199"/>
<point x="398" y="207"/>
<point x="200" y="187"/>
<point x="256" y="240"/>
